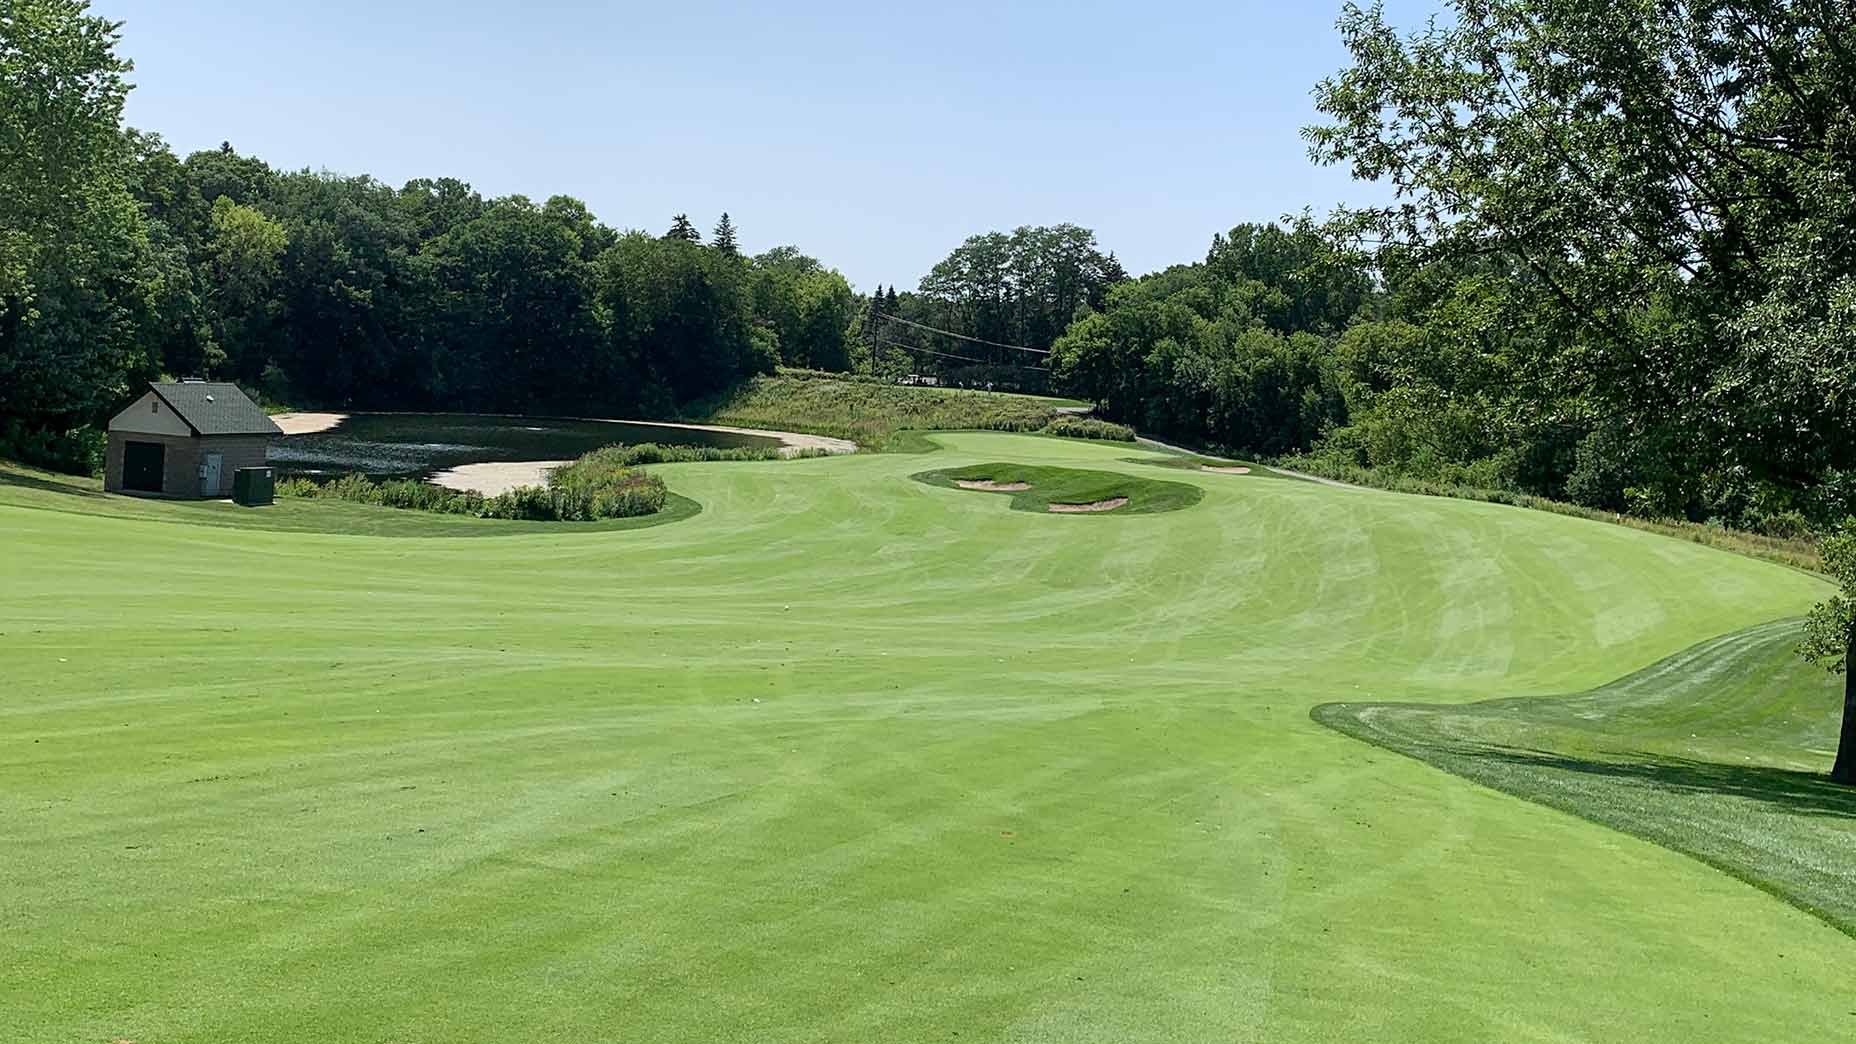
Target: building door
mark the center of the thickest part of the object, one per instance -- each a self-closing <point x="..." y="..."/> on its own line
<point x="142" y="466"/>
<point x="209" y="474"/>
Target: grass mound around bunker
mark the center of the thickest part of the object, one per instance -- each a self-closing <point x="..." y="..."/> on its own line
<point x="1718" y="752"/>
<point x="1058" y="490"/>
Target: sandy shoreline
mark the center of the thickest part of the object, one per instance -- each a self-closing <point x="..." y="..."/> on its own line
<point x="496" y="477"/>
<point x="307" y="423"/>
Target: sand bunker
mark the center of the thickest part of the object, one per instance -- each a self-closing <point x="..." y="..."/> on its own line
<point x="991" y="486"/>
<point x="1234" y="470"/>
<point x="498" y="477"/>
<point x="1098" y="505"/>
<point x="307" y="423"/>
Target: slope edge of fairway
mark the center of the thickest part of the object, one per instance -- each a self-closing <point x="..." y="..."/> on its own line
<point x="1717" y="752"/>
<point x="31" y="488"/>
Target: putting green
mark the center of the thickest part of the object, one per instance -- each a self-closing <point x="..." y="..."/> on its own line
<point x="846" y="756"/>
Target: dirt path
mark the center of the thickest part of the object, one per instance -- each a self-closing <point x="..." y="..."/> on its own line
<point x="496" y="477"/>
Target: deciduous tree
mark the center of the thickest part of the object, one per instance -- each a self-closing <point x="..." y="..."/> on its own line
<point x="1830" y="639"/>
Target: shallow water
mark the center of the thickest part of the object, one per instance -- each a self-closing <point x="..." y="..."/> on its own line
<point x="419" y="444"/>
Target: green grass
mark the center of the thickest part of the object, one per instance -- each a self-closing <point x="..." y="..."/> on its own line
<point x="1717" y="751"/>
<point x="845" y="756"/>
<point x="1054" y="485"/>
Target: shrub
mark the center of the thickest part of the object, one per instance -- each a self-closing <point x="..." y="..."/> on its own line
<point x="1089" y="428"/>
<point x="630" y="456"/>
<point x="78" y="451"/>
<point x="593" y="491"/>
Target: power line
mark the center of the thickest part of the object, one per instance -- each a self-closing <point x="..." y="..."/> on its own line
<point x="962" y="358"/>
<point x="963" y="337"/>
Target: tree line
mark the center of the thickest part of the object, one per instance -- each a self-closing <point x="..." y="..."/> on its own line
<point x="1618" y="269"/>
<point x="1617" y="272"/>
<point x="122" y="262"/>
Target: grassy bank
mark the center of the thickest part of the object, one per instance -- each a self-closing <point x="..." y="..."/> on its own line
<point x="1798" y="552"/>
<point x="871" y="413"/>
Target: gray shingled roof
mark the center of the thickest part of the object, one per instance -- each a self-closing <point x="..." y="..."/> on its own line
<point x="215" y="409"/>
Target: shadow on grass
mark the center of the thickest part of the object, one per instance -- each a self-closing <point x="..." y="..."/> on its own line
<point x="1787" y="790"/>
<point x="67" y="486"/>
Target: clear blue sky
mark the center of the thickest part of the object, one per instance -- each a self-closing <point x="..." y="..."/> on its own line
<point x="871" y="137"/>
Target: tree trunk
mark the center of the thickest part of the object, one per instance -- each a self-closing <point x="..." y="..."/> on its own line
<point x="1844" y="771"/>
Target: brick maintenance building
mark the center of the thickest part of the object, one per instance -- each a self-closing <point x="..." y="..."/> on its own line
<point x="185" y="440"/>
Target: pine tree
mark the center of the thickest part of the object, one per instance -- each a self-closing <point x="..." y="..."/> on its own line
<point x="680" y="228"/>
<point x="725" y="235"/>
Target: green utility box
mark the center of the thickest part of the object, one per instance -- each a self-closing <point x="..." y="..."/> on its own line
<point x="254" y="487"/>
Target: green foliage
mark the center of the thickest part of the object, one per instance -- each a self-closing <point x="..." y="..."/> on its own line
<point x="600" y="485"/>
<point x="724" y="238"/>
<point x="1619" y="225"/>
<point x="1088" y="428"/>
<point x="77" y="278"/>
<point x="1020" y="288"/>
<point x="1827" y="632"/>
<point x="807" y="307"/>
<point x="78" y="451"/>
<point x="1232" y="352"/>
<point x="633" y="455"/>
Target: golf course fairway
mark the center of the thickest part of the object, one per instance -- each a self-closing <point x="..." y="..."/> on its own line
<point x="845" y="756"/>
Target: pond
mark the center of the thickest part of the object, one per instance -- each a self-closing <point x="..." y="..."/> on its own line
<point x="417" y="445"/>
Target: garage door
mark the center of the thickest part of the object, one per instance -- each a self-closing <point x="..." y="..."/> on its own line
<point x="142" y="465"/>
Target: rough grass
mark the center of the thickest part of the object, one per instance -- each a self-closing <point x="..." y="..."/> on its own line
<point x="1799" y="553"/>
<point x="872" y="413"/>
<point x="1056" y="485"/>
<point x="845" y="757"/>
<point x="1717" y="751"/>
